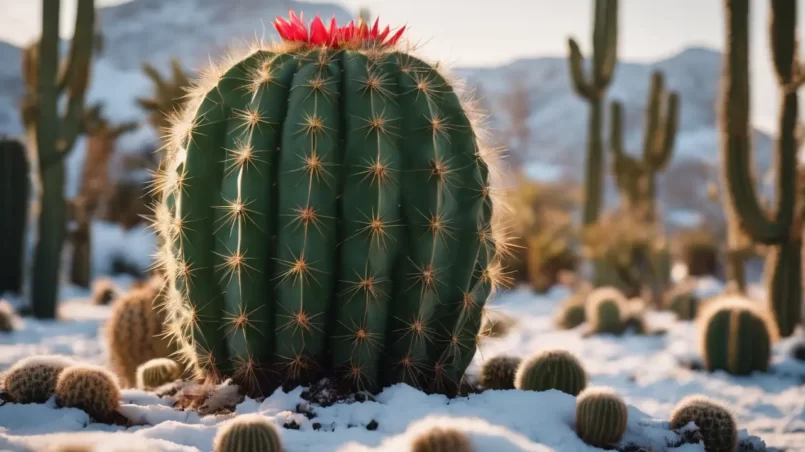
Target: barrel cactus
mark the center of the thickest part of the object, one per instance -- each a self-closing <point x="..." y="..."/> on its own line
<point x="248" y="433"/>
<point x="606" y="310"/>
<point x="307" y="185"/>
<point x="715" y="422"/>
<point x="499" y="372"/>
<point x="601" y="417"/>
<point x="552" y="369"/>
<point x="15" y="194"/>
<point x="157" y="372"/>
<point x="736" y="336"/>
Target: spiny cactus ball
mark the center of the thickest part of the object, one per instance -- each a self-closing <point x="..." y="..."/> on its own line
<point x="571" y="314"/>
<point x="246" y="434"/>
<point x="33" y="379"/>
<point x="601" y="417"/>
<point x="499" y="372"/>
<point x="716" y="424"/>
<point x="8" y="317"/>
<point x="351" y="187"/>
<point x="552" y="369"/>
<point x="683" y="302"/>
<point x="136" y="331"/>
<point x="606" y="308"/>
<point x="104" y="291"/>
<point x="439" y="439"/>
<point x="736" y="335"/>
<point x="157" y="372"/>
<point x="90" y="388"/>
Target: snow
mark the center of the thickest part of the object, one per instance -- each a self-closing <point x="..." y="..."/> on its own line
<point x="645" y="370"/>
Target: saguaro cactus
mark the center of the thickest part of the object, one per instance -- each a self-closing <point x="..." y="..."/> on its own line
<point x="636" y="178"/>
<point x="51" y="136"/>
<point x="15" y="194"/>
<point x="605" y="55"/>
<point x="784" y="265"/>
<point x="349" y="175"/>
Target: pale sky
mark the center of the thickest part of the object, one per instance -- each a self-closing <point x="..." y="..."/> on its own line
<point x="490" y="32"/>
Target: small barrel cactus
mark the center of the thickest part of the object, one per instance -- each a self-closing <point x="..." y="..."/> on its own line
<point x="499" y="372"/>
<point x="736" y="335"/>
<point x="683" y="302"/>
<point x="606" y="309"/>
<point x="90" y="388"/>
<point x="33" y="379"/>
<point x="350" y="175"/>
<point x="136" y="331"/>
<point x="104" y="291"/>
<point x="601" y="417"/>
<point x="439" y="439"/>
<point x="8" y="317"/>
<point x="716" y="424"/>
<point x="571" y="314"/>
<point x="552" y="369"/>
<point x="248" y="433"/>
<point x="157" y="372"/>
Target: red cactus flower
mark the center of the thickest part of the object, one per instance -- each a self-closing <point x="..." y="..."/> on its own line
<point x="349" y="36"/>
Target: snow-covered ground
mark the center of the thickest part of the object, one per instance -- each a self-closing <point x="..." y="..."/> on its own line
<point x="646" y="370"/>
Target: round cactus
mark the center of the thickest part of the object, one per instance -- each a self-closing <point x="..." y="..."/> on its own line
<point x="601" y="417"/>
<point x="552" y="369"/>
<point x="136" y="331"/>
<point x="8" y="318"/>
<point x="248" y="433"/>
<point x="499" y="372"/>
<point x="350" y="175"/>
<point x="33" y="379"/>
<point x="683" y="302"/>
<point x="157" y="372"/>
<point x="441" y="440"/>
<point x="606" y="308"/>
<point x="571" y="314"/>
<point x="104" y="291"/>
<point x="736" y="336"/>
<point x="90" y="388"/>
<point x="716" y="424"/>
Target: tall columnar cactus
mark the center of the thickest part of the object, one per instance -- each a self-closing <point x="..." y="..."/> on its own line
<point x="784" y="265"/>
<point x="51" y="135"/>
<point x="15" y="194"/>
<point x="592" y="88"/>
<point x="636" y="178"/>
<point x="350" y="174"/>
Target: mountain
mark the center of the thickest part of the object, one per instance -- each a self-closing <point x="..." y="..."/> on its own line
<point x="195" y="30"/>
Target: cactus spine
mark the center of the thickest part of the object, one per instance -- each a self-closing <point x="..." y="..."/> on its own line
<point x="15" y="194"/>
<point x="601" y="417"/>
<point x="736" y="336"/>
<point x="784" y="265"/>
<point x="636" y="179"/>
<point x="51" y="136"/>
<point x="351" y="176"/>
<point x="605" y="55"/>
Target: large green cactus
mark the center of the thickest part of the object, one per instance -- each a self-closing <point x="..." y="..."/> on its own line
<point x="636" y="178"/>
<point x="605" y="55"/>
<point x="784" y="266"/>
<point x="51" y="136"/>
<point x="15" y="194"/>
<point x="314" y="182"/>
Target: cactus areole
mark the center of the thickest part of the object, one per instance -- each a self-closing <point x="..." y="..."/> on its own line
<point x="327" y="213"/>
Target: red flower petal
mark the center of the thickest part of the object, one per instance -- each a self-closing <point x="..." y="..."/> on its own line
<point x="396" y="37"/>
<point x="334" y="32"/>
<point x="318" y="33"/>
<point x="383" y="35"/>
<point x="375" y="27"/>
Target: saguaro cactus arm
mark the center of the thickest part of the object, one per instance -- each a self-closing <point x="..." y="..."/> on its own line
<point x="737" y="146"/>
<point x="627" y="169"/>
<point x="660" y="133"/>
<point x="605" y="52"/>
